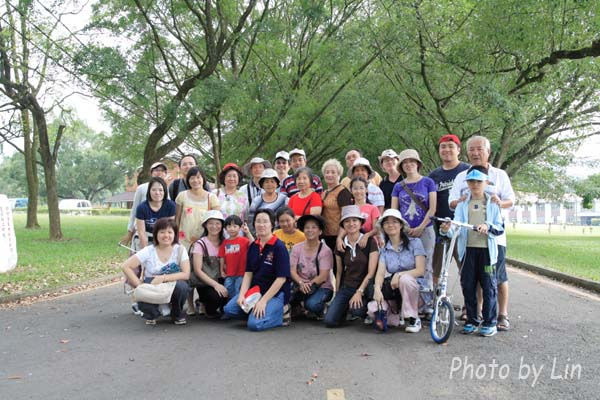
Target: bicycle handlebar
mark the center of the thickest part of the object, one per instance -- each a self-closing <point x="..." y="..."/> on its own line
<point x="457" y="223"/>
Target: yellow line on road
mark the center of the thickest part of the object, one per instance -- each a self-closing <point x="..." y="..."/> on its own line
<point x="335" y="394"/>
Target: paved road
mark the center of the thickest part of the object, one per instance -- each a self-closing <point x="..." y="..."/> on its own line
<point x="89" y="346"/>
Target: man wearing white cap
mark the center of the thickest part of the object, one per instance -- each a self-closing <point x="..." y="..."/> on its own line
<point x="254" y="170"/>
<point x="282" y="165"/>
<point x="158" y="169"/>
<point x="502" y="194"/>
<point x="298" y="160"/>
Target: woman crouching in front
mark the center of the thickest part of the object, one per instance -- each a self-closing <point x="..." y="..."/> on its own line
<point x="401" y="267"/>
<point x="165" y="261"/>
<point x="268" y="267"/>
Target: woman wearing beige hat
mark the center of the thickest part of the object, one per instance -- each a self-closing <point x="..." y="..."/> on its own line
<point x="416" y="198"/>
<point x="254" y="169"/>
<point x="270" y="198"/>
<point x="356" y="267"/>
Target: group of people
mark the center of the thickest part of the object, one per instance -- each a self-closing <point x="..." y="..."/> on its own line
<point x="332" y="250"/>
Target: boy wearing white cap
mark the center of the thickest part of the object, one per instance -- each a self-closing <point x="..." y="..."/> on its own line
<point x="478" y="251"/>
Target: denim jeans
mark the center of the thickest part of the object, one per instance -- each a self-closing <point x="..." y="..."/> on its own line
<point x="315" y="302"/>
<point x="233" y="284"/>
<point x="336" y="313"/>
<point x="273" y="313"/>
<point x="178" y="299"/>
<point x="477" y="269"/>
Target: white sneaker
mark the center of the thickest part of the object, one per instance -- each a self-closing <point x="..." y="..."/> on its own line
<point x="368" y="320"/>
<point x="136" y="309"/>
<point x="414" y="325"/>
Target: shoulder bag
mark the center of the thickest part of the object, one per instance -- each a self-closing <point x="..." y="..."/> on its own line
<point x="156" y="294"/>
<point x="210" y="265"/>
<point x="413" y="197"/>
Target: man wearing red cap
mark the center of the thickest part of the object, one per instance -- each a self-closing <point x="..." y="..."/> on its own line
<point x="443" y="176"/>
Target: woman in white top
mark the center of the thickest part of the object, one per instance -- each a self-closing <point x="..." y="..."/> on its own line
<point x="164" y="261"/>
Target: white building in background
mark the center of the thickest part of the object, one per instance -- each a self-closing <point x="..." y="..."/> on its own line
<point x="530" y="209"/>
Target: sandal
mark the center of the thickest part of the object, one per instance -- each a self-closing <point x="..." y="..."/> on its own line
<point x="503" y="323"/>
<point x="287" y="315"/>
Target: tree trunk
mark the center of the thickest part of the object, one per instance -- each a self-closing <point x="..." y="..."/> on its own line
<point x="48" y="156"/>
<point x="30" y="148"/>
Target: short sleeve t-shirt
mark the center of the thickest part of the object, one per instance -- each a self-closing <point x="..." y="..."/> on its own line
<point x="290" y="240"/>
<point x="403" y="258"/>
<point x="213" y="251"/>
<point x="302" y="206"/>
<point x="375" y="195"/>
<point x="387" y="187"/>
<point x="153" y="266"/>
<point x="269" y="263"/>
<point x="410" y="210"/>
<point x="371" y="214"/>
<point x="306" y="263"/>
<point x="333" y="201"/>
<point x="444" y="179"/>
<point x="356" y="263"/>
<point x="234" y="251"/>
<point x="145" y="213"/>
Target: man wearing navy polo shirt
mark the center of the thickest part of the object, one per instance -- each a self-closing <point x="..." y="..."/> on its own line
<point x="443" y="176"/>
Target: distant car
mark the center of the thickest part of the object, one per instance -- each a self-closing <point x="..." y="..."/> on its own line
<point x="75" y="206"/>
<point x="18" y="203"/>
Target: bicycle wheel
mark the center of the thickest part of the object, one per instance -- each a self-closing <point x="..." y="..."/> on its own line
<point x="442" y="321"/>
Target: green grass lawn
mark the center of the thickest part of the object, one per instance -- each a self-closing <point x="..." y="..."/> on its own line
<point x="88" y="251"/>
<point x="570" y="251"/>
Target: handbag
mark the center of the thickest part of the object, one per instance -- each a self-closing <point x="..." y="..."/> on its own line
<point x="210" y="265"/>
<point x="156" y="294"/>
<point x="314" y="287"/>
<point x="389" y="293"/>
<point x="380" y="323"/>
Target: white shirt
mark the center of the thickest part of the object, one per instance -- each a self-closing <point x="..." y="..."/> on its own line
<point x="153" y="265"/>
<point x="501" y="187"/>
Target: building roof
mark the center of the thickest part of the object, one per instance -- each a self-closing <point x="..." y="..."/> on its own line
<point x="121" y="197"/>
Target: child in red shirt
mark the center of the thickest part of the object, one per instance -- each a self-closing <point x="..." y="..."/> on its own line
<point x="233" y="253"/>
